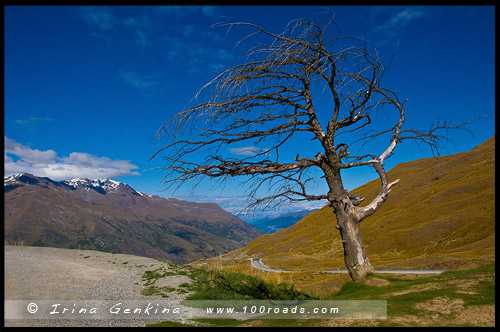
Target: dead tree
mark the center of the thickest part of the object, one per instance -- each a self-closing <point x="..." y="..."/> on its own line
<point x="267" y="102"/>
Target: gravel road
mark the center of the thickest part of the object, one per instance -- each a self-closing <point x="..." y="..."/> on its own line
<point x="258" y="264"/>
<point x="36" y="273"/>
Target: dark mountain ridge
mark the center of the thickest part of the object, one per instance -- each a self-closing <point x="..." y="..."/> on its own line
<point x="110" y="216"/>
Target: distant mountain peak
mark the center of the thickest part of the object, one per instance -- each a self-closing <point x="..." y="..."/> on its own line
<point x="18" y="178"/>
<point x="101" y="185"/>
<point x="15" y="175"/>
<point x="12" y="178"/>
<point x="107" y="185"/>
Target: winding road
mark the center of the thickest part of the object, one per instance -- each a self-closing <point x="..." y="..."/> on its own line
<point x="258" y="264"/>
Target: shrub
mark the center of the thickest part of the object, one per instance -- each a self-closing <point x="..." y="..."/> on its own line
<point x="223" y="285"/>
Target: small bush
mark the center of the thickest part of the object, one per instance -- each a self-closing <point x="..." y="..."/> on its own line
<point x="161" y="291"/>
<point x="231" y="285"/>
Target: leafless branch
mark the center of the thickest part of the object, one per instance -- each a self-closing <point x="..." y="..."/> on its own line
<point x="267" y="103"/>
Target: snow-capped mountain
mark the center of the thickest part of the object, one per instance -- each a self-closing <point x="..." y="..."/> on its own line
<point x="19" y="179"/>
<point x="12" y="178"/>
<point x="103" y="186"/>
<point x="106" y="184"/>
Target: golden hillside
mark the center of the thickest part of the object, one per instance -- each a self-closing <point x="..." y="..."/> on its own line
<point x="440" y="215"/>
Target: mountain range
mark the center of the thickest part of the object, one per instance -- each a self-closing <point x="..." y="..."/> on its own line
<point x="107" y="215"/>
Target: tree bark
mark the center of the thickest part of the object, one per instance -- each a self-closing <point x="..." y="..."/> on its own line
<point x="356" y="262"/>
<point x="355" y="258"/>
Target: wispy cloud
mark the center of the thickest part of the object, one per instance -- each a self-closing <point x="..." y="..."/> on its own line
<point x="141" y="39"/>
<point x="141" y="28"/>
<point x="32" y="120"/>
<point x="182" y="11"/>
<point x="246" y="150"/>
<point x="103" y="21"/>
<point x="196" y="56"/>
<point x="101" y="18"/>
<point x="399" y="20"/>
<point x="20" y="158"/>
<point x="190" y="45"/>
<point x="142" y="82"/>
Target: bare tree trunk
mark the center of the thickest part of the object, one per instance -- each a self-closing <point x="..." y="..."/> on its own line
<point x="355" y="259"/>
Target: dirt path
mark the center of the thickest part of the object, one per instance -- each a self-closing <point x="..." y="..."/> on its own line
<point x="36" y="273"/>
<point x="258" y="264"/>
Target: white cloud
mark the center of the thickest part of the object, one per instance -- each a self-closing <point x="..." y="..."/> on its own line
<point x="28" y="154"/>
<point x="246" y="150"/>
<point x="23" y="159"/>
<point x="400" y="20"/>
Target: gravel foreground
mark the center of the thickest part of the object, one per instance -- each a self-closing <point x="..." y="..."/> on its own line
<point x="39" y="273"/>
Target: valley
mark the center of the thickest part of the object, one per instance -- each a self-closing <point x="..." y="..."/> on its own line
<point x="109" y="216"/>
<point x="273" y="224"/>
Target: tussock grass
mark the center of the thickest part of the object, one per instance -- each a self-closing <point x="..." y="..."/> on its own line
<point x="223" y="285"/>
<point x="409" y="308"/>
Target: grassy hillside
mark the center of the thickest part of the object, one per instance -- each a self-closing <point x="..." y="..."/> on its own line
<point x="440" y="215"/>
<point x="454" y="298"/>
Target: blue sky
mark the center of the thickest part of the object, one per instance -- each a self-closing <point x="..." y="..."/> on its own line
<point x="86" y="88"/>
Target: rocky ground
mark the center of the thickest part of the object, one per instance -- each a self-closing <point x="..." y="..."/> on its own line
<point x="36" y="273"/>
